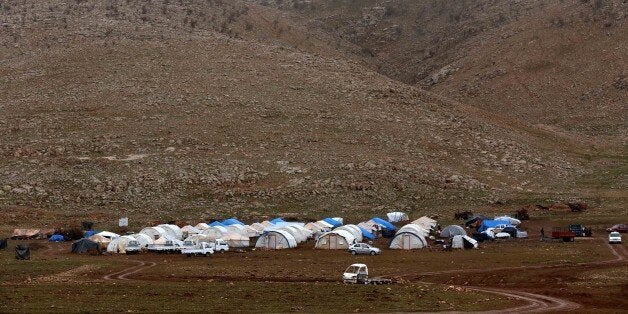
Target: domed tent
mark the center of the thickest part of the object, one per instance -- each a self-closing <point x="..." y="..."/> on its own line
<point x="236" y="240"/>
<point x="354" y="230"/>
<point x="333" y="222"/>
<point x="409" y="237"/>
<point x="143" y="239"/>
<point x="397" y="216"/>
<point x="258" y="227"/>
<point x="232" y="221"/>
<point x="216" y="232"/>
<point x="103" y="238"/>
<point x="276" y="240"/>
<point x="217" y="224"/>
<point x="201" y="226"/>
<point x="189" y="230"/>
<point x="173" y="230"/>
<point x="335" y="240"/>
<point x="418" y="229"/>
<point x="297" y="233"/>
<point x="198" y="238"/>
<point x="463" y="241"/>
<point x="154" y="232"/>
<point x="118" y="245"/>
<point x="451" y="231"/>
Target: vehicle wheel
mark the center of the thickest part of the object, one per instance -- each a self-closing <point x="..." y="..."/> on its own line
<point x="352" y="252"/>
<point x="222" y="251"/>
<point x="372" y="253"/>
<point x="206" y="254"/>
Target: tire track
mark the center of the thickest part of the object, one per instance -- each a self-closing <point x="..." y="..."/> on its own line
<point x="534" y="302"/>
<point x="123" y="274"/>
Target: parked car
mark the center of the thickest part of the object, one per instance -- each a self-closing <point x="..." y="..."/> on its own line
<point x="621" y="228"/>
<point x="363" y="248"/>
<point x="614" y="237"/>
<point x="202" y="248"/>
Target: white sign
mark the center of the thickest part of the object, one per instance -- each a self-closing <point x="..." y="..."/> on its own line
<point x="123" y="222"/>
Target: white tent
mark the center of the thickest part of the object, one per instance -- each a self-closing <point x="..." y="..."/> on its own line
<point x="166" y="238"/>
<point x="267" y="224"/>
<point x="236" y="240"/>
<point x="397" y="216"/>
<point x="143" y="239"/>
<point x="427" y="222"/>
<point x="354" y="230"/>
<point x="215" y="232"/>
<point x="190" y="230"/>
<point x="275" y="240"/>
<point x="335" y="240"/>
<point x="107" y="234"/>
<point x="201" y="226"/>
<point x="414" y="228"/>
<point x="463" y="241"/>
<point x="154" y="232"/>
<point x="409" y="237"/>
<point x="197" y="238"/>
<point x="118" y="245"/>
<point x="258" y="227"/>
<point x="173" y="230"/>
<point x="451" y="231"/>
<point x="338" y="219"/>
<point x="513" y="221"/>
<point x="298" y="234"/>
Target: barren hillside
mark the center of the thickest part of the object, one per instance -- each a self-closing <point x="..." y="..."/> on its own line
<point x="130" y="105"/>
<point x="559" y="65"/>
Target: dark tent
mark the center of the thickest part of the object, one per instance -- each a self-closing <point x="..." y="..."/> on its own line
<point x="56" y="238"/>
<point x="22" y="252"/>
<point x="3" y="244"/>
<point x="84" y="245"/>
<point x="481" y="237"/>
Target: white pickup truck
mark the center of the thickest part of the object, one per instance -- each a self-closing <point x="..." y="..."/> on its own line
<point x="219" y="245"/>
<point x="168" y="247"/>
<point x="202" y="248"/>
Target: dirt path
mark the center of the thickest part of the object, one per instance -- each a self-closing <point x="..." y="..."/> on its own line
<point x="534" y="302"/>
<point x="122" y="274"/>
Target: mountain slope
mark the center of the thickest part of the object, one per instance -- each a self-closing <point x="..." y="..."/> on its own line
<point x="117" y="113"/>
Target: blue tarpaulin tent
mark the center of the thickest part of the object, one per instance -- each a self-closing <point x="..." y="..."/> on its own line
<point x="232" y="221"/>
<point x="217" y="224"/>
<point x="366" y="234"/>
<point x="277" y="221"/>
<point x="335" y="223"/>
<point x="487" y="223"/>
<point x="89" y="233"/>
<point x="385" y="224"/>
<point x="56" y="238"/>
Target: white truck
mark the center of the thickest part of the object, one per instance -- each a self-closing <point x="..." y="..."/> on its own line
<point x="168" y="247"/>
<point x="219" y="245"/>
<point x="133" y="247"/>
<point x="202" y="248"/>
<point x="359" y="273"/>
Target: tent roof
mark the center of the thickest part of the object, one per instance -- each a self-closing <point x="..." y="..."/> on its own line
<point x="108" y="234"/>
<point x="385" y="224"/>
<point x="277" y="220"/>
<point x="333" y="222"/>
<point x="451" y="231"/>
<point x="217" y="223"/>
<point x="232" y="221"/>
<point x="366" y="234"/>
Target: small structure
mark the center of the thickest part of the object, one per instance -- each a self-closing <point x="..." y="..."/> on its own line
<point x="409" y="237"/>
<point x="463" y="242"/>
